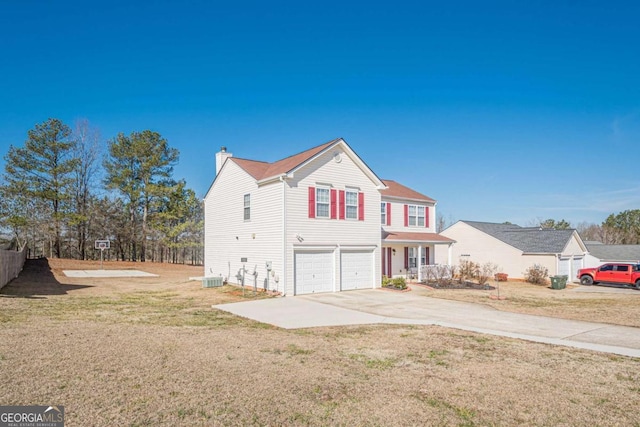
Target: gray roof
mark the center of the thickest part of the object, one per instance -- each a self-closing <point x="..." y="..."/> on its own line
<point x="630" y="253"/>
<point x="527" y="239"/>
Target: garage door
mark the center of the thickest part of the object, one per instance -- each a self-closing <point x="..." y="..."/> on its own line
<point x="357" y="270"/>
<point x="575" y="266"/>
<point x="313" y="272"/>
<point x="564" y="267"/>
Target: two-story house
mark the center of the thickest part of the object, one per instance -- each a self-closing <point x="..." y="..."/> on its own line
<point x="408" y="231"/>
<point x="311" y="222"/>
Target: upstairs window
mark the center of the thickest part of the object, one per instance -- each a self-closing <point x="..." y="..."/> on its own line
<point x="247" y="207"/>
<point x="351" y="204"/>
<point x="416" y="216"/>
<point x="322" y="202"/>
<point x="383" y="213"/>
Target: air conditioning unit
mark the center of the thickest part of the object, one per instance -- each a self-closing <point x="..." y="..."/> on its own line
<point x="212" y="282"/>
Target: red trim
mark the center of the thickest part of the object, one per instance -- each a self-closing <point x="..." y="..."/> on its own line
<point x="406" y="215"/>
<point x="360" y="206"/>
<point x="341" y="208"/>
<point x="312" y="202"/>
<point x="388" y="213"/>
<point x="426" y="216"/>
<point x="334" y="208"/>
<point x="406" y="258"/>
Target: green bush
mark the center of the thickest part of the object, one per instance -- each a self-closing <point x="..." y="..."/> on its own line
<point x="395" y="283"/>
<point x="536" y="274"/>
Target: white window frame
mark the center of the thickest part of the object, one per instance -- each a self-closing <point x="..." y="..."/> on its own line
<point x="383" y="213"/>
<point x="319" y="203"/>
<point x="413" y="257"/>
<point x="418" y="218"/>
<point x="247" y="207"/>
<point x="353" y="212"/>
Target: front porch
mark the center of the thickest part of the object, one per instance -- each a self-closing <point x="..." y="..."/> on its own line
<point x="408" y="254"/>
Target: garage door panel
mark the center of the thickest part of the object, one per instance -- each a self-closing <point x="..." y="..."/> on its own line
<point x="313" y="272"/>
<point x="356" y="270"/>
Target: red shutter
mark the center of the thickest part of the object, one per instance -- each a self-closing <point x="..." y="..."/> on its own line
<point x="334" y="208"/>
<point x="388" y="213"/>
<point x="390" y="265"/>
<point x="406" y="258"/>
<point x="360" y="206"/>
<point x="384" y="263"/>
<point x="342" y="208"/>
<point x="426" y="256"/>
<point x="406" y="215"/>
<point x="426" y="216"/>
<point x="312" y="202"/>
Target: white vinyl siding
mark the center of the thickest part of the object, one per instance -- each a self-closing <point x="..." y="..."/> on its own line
<point x="304" y="232"/>
<point x="228" y="237"/>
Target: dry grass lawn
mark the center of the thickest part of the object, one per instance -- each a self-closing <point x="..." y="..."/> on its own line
<point x="151" y="352"/>
<point x="615" y="307"/>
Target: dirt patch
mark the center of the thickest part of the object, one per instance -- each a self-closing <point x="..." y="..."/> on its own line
<point x="151" y="352"/>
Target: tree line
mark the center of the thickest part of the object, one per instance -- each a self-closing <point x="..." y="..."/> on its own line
<point x="61" y="191"/>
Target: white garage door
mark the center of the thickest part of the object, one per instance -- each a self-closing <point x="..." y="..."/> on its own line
<point x="575" y="266"/>
<point x="564" y="267"/>
<point x="313" y="272"/>
<point x="357" y="270"/>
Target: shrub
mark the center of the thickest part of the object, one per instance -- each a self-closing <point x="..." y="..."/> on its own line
<point x="467" y="270"/>
<point x="487" y="270"/>
<point x="536" y="274"/>
<point x="395" y="283"/>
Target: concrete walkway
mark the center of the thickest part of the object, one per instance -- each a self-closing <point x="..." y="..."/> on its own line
<point x="379" y="306"/>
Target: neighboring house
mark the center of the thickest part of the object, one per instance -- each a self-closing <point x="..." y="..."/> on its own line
<point x="310" y="222"/>
<point x="514" y="249"/>
<point x="600" y="254"/>
<point x="408" y="231"/>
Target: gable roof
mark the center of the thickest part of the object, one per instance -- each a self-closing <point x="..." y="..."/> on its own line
<point x="614" y="252"/>
<point x="526" y="239"/>
<point x="399" y="191"/>
<point x="262" y="170"/>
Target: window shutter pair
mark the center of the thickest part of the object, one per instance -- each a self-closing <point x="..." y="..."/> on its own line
<point x="406" y="216"/>
<point x="335" y="196"/>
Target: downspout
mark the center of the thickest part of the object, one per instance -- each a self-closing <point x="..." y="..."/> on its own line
<point x="284" y="235"/>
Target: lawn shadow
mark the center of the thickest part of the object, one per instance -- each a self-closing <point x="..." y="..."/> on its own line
<point x="35" y="279"/>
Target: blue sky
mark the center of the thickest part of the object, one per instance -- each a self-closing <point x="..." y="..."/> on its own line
<point x="499" y="110"/>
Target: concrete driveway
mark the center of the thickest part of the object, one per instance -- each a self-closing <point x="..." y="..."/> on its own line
<point x="375" y="306"/>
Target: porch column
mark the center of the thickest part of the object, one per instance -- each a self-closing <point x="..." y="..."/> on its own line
<point x="419" y="263"/>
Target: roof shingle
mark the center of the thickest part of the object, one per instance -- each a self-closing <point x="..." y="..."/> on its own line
<point x="526" y="239"/>
<point x="397" y="190"/>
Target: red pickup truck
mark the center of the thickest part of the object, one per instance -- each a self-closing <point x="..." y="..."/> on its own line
<point x="619" y="273"/>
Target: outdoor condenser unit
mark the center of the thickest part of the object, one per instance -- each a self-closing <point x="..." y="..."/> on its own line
<point x="211" y="282"/>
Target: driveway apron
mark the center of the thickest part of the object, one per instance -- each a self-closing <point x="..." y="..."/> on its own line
<point x="375" y="306"/>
